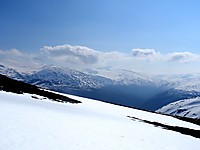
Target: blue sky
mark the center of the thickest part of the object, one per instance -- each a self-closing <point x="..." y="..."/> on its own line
<point x="104" y="26"/>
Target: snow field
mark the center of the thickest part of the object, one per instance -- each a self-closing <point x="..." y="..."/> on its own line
<point x="26" y="123"/>
<point x="186" y="108"/>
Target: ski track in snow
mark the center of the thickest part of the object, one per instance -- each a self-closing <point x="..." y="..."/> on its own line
<point x="27" y="123"/>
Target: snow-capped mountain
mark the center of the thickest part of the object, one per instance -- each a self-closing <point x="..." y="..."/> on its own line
<point x="186" y="82"/>
<point x="31" y="123"/>
<point x="52" y="76"/>
<point x="191" y="83"/>
<point x="12" y="73"/>
<point x="128" y="77"/>
<point x="136" y="89"/>
<point x="186" y="108"/>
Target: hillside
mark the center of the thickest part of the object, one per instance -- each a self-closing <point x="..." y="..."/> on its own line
<point x="10" y="85"/>
<point x="185" y="108"/>
<point x="29" y="123"/>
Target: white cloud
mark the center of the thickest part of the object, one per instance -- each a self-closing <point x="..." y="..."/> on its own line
<point x="152" y="55"/>
<point x="146" y="54"/>
<point x="143" y="52"/>
<point x="12" y="52"/>
<point x="184" y="57"/>
<point x="73" y="54"/>
<point x="81" y="57"/>
<point x="17" y="59"/>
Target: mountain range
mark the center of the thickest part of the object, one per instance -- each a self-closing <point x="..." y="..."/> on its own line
<point x="122" y="87"/>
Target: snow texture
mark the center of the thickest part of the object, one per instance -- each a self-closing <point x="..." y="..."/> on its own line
<point x="186" y="82"/>
<point x="186" y="108"/>
<point x="27" y="123"/>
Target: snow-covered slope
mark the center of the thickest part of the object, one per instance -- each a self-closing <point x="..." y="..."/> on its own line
<point x="12" y="73"/>
<point x="127" y="77"/>
<point x="27" y="123"/>
<point x="185" y="108"/>
<point x="186" y="82"/>
<point x="52" y="76"/>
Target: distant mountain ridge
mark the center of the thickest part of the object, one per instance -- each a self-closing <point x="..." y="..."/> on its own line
<point x="121" y="87"/>
<point x="186" y="82"/>
<point x="12" y="73"/>
<point x="56" y="76"/>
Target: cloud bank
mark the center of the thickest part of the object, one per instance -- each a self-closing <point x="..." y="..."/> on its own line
<point x="153" y="55"/>
<point x="184" y="57"/>
<point x="81" y="57"/>
<point x="146" y="54"/>
<point x="11" y="53"/>
<point x="74" y="54"/>
<point x="20" y="60"/>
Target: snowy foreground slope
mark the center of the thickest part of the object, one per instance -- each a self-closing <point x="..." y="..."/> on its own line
<point x="27" y="123"/>
<point x="186" y="108"/>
